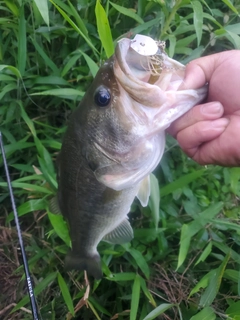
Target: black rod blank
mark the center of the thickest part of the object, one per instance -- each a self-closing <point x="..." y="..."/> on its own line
<point x="24" y="257"/>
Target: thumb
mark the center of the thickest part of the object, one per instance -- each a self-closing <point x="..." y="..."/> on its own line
<point x="199" y="72"/>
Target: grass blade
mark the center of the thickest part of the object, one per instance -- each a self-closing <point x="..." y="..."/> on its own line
<point x="140" y="261"/>
<point x="205" y="253"/>
<point x="205" y="314"/>
<point x="66" y="294"/>
<point x="127" y="12"/>
<point x="147" y="292"/>
<point x="71" y="62"/>
<point x="214" y="284"/>
<point x="233" y="311"/>
<point x="42" y="6"/>
<point x="60" y="227"/>
<point x="78" y="19"/>
<point x="45" y="58"/>
<point x="12" y="69"/>
<point x="135" y="298"/>
<point x="154" y="199"/>
<point x="67" y="93"/>
<point x="226" y="224"/>
<point x="234" y="38"/>
<point x="12" y="6"/>
<point x="27" y="120"/>
<point x="181" y="182"/>
<point x="189" y="230"/>
<point x="9" y="87"/>
<point x="48" y="175"/>
<point x="38" y="289"/>
<point x="28" y="186"/>
<point x="122" y="276"/>
<point x="202" y="283"/>
<point x="27" y="207"/>
<point x="104" y="30"/>
<point x="22" y="42"/>
<point x="75" y="27"/>
<point x="159" y="310"/>
<point x="94" y="310"/>
<point x="93" y="67"/>
<point x="98" y="306"/>
<point x="184" y="243"/>
<point x="231" y="6"/>
<point x="198" y="19"/>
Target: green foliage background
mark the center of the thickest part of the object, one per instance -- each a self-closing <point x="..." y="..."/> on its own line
<point x="184" y="260"/>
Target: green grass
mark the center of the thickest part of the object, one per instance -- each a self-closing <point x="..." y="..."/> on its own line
<point x="184" y="260"/>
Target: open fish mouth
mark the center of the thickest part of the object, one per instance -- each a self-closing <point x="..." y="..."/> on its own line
<point x="146" y="59"/>
<point x="143" y="68"/>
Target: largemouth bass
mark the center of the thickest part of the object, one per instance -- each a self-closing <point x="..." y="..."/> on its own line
<point x="114" y="140"/>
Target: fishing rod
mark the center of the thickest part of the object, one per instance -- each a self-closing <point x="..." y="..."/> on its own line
<point x="34" y="306"/>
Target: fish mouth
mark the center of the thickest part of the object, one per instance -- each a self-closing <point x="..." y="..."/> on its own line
<point x="136" y="71"/>
<point x="147" y="78"/>
<point x="147" y="68"/>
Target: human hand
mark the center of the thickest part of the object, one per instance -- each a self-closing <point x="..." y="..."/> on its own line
<point x="210" y="133"/>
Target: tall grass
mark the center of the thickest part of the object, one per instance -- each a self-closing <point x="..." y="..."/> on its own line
<point x="184" y="260"/>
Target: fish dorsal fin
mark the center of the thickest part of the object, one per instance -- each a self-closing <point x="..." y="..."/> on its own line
<point x="54" y="205"/>
<point x="121" y="234"/>
<point x="144" y="191"/>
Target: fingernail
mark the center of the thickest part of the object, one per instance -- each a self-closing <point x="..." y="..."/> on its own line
<point x="212" y="108"/>
<point x="220" y="124"/>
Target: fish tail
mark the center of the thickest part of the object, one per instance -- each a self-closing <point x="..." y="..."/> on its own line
<point x="90" y="263"/>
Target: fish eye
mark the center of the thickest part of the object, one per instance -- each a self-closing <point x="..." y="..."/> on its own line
<point x="102" y="96"/>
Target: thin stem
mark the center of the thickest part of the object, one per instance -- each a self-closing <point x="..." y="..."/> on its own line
<point x="179" y="312"/>
<point x="170" y="18"/>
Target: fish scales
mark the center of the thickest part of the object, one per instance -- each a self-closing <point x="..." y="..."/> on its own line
<point x="99" y="209"/>
<point x="114" y="140"/>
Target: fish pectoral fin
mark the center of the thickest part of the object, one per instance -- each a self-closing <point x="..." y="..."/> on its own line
<point x="54" y="205"/>
<point x="144" y="191"/>
<point x="121" y="234"/>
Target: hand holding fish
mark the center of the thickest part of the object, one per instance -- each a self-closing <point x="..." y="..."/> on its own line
<point x="209" y="132"/>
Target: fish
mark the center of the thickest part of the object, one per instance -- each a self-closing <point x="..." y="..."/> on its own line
<point x="115" y="138"/>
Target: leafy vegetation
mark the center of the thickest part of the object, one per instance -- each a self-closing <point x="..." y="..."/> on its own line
<point x="184" y="260"/>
